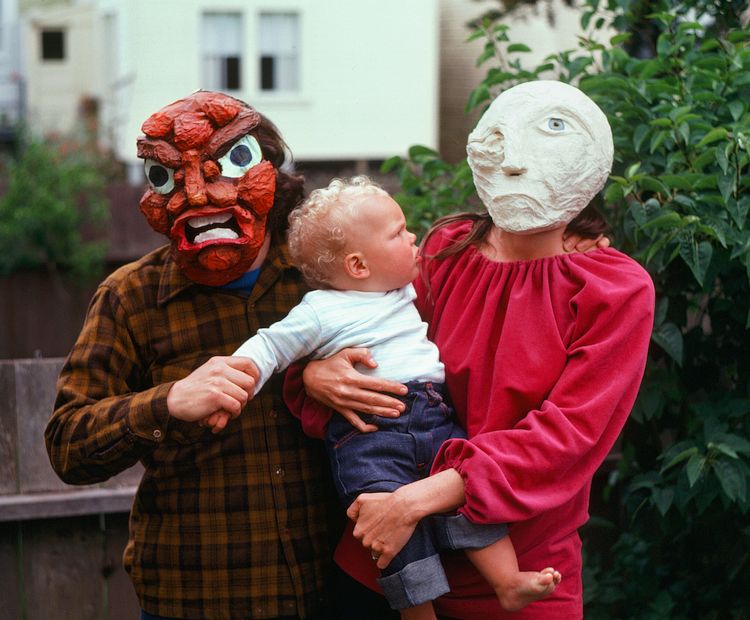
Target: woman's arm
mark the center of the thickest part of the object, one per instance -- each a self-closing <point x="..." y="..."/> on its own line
<point x="386" y="521"/>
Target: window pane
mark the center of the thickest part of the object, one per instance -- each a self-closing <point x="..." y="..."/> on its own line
<point x="221" y="42"/>
<point x="278" y="43"/>
<point x="53" y="45"/>
<point x="232" y="73"/>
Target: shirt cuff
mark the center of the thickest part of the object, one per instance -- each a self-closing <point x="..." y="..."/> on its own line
<point x="148" y="416"/>
<point x="460" y="454"/>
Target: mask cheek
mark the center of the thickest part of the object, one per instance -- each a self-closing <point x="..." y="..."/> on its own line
<point x="257" y="188"/>
<point x="154" y="207"/>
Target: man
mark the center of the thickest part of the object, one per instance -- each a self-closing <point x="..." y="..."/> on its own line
<point x="233" y="524"/>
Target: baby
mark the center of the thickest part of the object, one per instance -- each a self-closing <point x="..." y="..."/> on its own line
<point x="351" y="244"/>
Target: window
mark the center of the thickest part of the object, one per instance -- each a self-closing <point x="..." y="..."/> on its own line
<point x="279" y="52"/>
<point x="53" y="45"/>
<point x="222" y="51"/>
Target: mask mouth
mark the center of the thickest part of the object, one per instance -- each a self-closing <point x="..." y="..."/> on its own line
<point x="205" y="227"/>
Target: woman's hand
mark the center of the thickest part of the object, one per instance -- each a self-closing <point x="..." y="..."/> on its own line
<point x="386" y="521"/>
<point x="337" y="384"/>
<point x="573" y="242"/>
<point x="384" y="524"/>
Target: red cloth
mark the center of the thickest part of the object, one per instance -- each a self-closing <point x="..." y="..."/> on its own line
<point x="543" y="363"/>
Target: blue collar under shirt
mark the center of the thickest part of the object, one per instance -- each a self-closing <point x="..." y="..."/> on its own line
<point x="245" y="283"/>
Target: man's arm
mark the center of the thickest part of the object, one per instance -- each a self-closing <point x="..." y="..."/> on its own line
<point x="107" y="416"/>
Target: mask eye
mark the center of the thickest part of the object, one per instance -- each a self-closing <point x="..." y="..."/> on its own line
<point x="556" y="124"/>
<point x="160" y="178"/>
<point x="242" y="155"/>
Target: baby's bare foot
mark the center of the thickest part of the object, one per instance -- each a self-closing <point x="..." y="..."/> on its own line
<point x="528" y="587"/>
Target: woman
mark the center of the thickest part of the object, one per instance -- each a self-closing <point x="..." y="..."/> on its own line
<point x="544" y="352"/>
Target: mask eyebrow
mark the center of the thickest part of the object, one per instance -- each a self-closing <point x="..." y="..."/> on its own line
<point x="160" y="150"/>
<point x="230" y="133"/>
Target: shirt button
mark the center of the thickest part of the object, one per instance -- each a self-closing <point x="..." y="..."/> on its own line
<point x="157" y="434"/>
<point x="280" y="471"/>
<point x="272" y="414"/>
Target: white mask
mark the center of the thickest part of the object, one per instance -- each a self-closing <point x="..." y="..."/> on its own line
<point x="539" y="155"/>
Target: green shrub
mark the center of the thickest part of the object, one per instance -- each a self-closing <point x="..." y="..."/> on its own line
<point x="678" y="201"/>
<point x="54" y="195"/>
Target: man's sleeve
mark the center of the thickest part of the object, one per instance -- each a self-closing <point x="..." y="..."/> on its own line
<point x="102" y="422"/>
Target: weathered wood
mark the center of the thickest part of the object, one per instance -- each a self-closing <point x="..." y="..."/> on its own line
<point x="62" y="562"/>
<point x="8" y="430"/>
<point x="123" y="603"/>
<point x="27" y="394"/>
<point x="84" y="501"/>
<point x="12" y="592"/>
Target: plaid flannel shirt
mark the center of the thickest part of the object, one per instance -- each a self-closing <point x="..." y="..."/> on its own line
<point x="234" y="525"/>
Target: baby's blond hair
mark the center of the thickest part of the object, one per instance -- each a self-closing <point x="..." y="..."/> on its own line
<point x="317" y="228"/>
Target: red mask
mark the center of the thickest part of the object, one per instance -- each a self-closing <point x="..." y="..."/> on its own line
<point x="210" y="190"/>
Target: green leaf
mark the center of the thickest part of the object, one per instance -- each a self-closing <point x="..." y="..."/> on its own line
<point x="697" y="256"/>
<point x="668" y="219"/>
<point x="653" y="184"/>
<point x="727" y="186"/>
<point x="662" y="499"/>
<point x="731" y="478"/>
<point x="619" y="38"/>
<point x="669" y="337"/>
<point x="719" y="133"/>
<point x="685" y="454"/>
<point x="694" y="468"/>
<point x="736" y="109"/>
<point x="391" y="163"/>
<point x="676" y="181"/>
<point x="518" y="47"/>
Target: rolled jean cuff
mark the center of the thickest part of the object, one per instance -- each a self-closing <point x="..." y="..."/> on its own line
<point x="416" y="583"/>
<point x="457" y="532"/>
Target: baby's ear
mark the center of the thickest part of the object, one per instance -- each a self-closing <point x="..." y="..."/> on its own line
<point x="355" y="266"/>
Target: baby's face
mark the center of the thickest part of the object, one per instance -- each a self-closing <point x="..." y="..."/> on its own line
<point x="378" y="232"/>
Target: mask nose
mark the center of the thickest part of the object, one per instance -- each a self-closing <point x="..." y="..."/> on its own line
<point x="195" y="184"/>
<point x="512" y="164"/>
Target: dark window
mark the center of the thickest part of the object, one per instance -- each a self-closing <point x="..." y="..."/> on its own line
<point x="267" y="81"/>
<point x="53" y="45"/>
<point x="231" y="73"/>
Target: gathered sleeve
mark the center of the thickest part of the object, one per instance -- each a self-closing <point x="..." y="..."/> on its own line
<point x="549" y="455"/>
<point x="313" y="415"/>
<point x="104" y="419"/>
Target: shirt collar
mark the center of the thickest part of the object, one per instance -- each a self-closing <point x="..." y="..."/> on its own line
<point x="173" y="281"/>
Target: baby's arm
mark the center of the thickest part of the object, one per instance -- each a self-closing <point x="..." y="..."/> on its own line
<point x="273" y="348"/>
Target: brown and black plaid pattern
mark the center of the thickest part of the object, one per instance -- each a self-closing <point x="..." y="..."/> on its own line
<point x="234" y="525"/>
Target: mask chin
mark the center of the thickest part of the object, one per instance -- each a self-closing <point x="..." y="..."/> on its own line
<point x="218" y="264"/>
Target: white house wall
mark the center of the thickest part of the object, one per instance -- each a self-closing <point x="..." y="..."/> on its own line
<point x="55" y="88"/>
<point x="368" y="72"/>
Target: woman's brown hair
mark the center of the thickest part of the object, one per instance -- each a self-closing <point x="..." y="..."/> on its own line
<point x="589" y="223"/>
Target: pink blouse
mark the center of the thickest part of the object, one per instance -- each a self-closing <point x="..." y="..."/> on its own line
<point x="543" y="362"/>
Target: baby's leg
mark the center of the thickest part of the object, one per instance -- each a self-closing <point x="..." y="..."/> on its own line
<point x="420" y="612"/>
<point x="515" y="589"/>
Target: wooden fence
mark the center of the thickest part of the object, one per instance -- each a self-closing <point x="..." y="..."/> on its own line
<point x="60" y="545"/>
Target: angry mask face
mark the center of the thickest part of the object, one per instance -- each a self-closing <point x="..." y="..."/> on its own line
<point x="210" y="188"/>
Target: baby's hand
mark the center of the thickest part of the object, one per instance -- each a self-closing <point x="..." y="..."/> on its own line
<point x="217" y="421"/>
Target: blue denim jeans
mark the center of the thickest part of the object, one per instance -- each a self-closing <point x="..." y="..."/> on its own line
<point x="400" y="452"/>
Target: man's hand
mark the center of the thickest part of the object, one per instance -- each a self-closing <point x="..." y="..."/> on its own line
<point x="218" y="420"/>
<point x="222" y="384"/>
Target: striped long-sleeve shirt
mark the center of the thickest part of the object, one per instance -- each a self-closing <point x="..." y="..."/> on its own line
<point x="232" y="525"/>
<point x="327" y="321"/>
